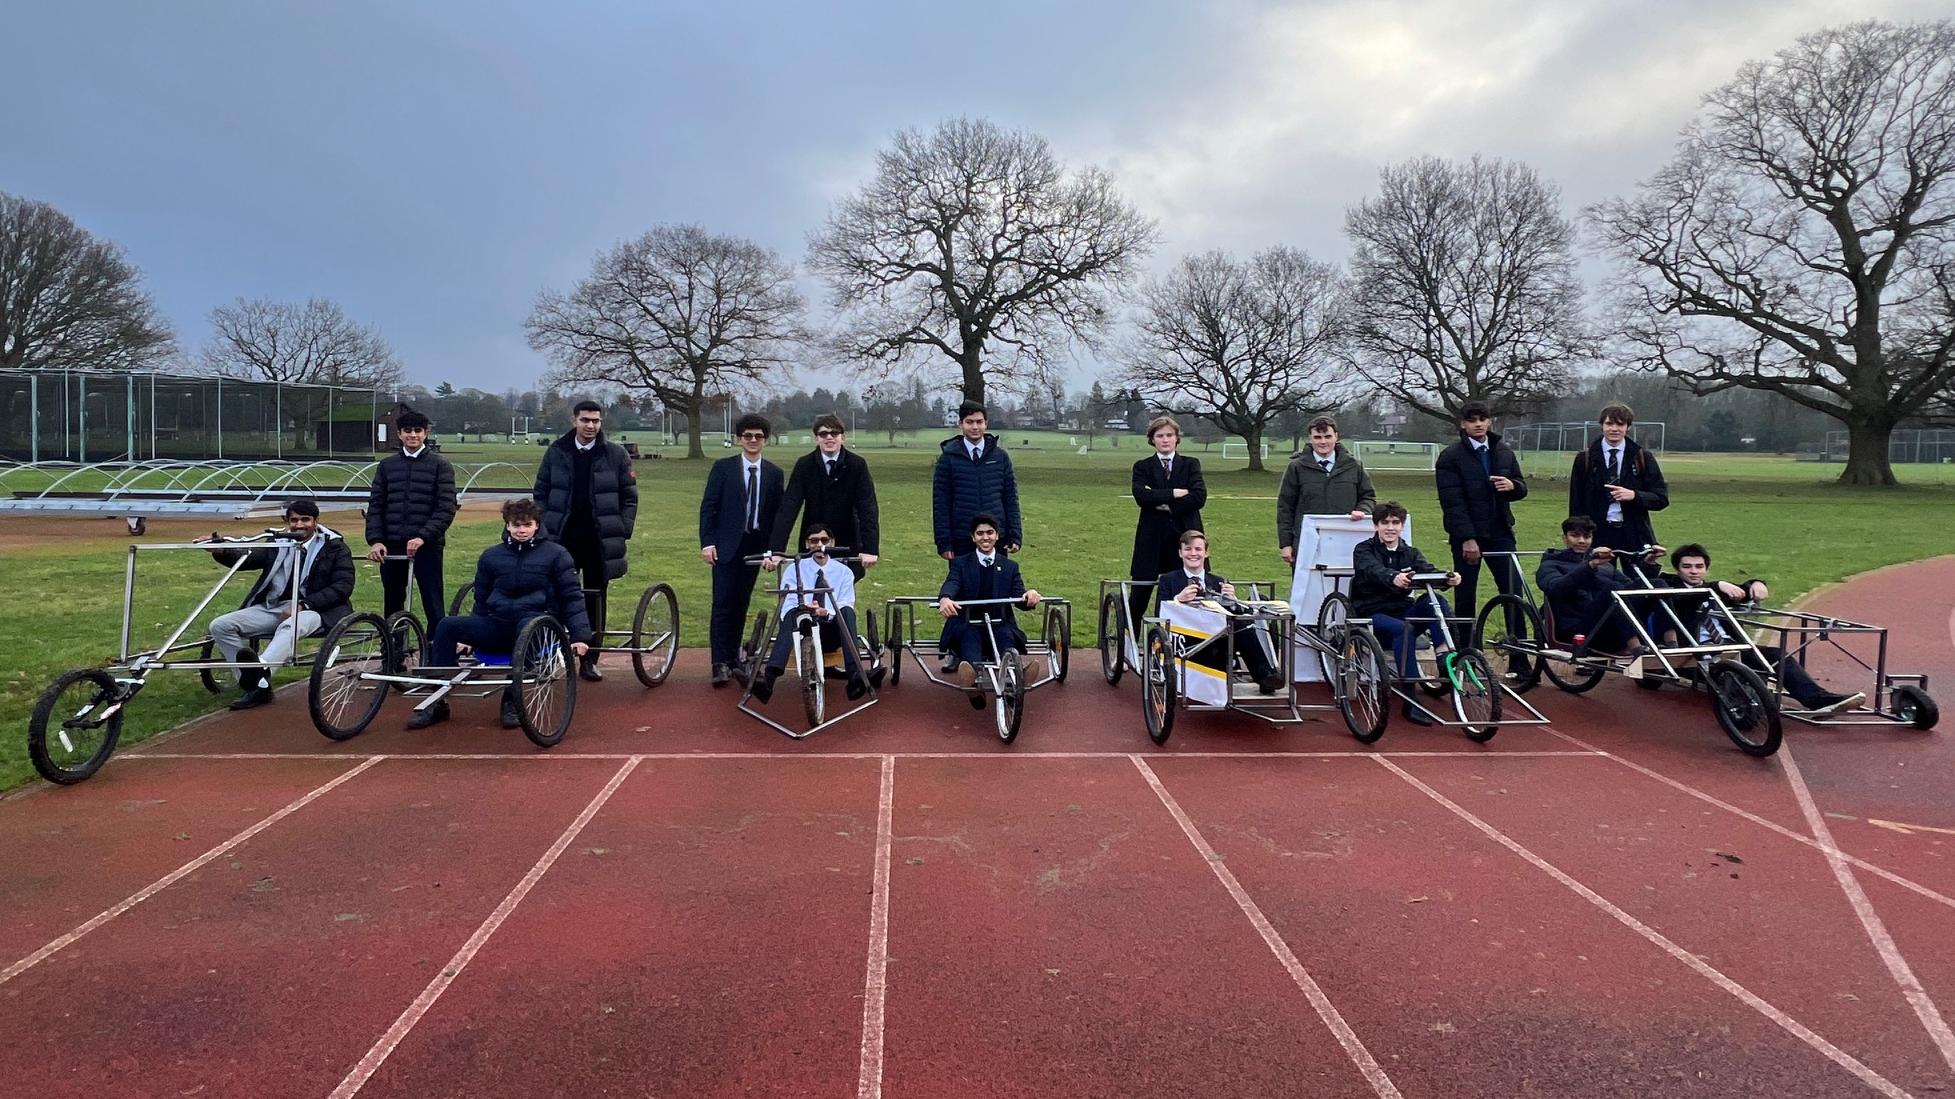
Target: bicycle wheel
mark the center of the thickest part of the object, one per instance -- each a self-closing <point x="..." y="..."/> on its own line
<point x="460" y="600"/>
<point x="341" y="699"/>
<point x="410" y="645"/>
<point x="545" y="682"/>
<point x="813" y="699"/>
<point x="895" y="643"/>
<point x="75" y="726"/>
<point x="1010" y="707"/>
<point x="753" y="649"/>
<point x="1158" y="685"/>
<point x="1058" y="641"/>
<point x="655" y="635"/>
<point x="1332" y="620"/>
<point x="1747" y="710"/>
<point x="1363" y="682"/>
<point x="1570" y="676"/>
<point x="1476" y="695"/>
<point x="869" y="647"/>
<point x="209" y="675"/>
<point x="1512" y="640"/>
<point x="1113" y="640"/>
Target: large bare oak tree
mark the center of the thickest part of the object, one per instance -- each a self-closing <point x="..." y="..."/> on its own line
<point x="973" y="245"/>
<point x="68" y="300"/>
<point x="1240" y="343"/>
<point x="315" y="343"/>
<point x="1463" y="287"/>
<point x="678" y="313"/>
<point x="1800" y="241"/>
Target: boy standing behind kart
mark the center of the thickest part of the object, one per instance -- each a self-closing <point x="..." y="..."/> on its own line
<point x="524" y="575"/>
<point x="408" y="512"/>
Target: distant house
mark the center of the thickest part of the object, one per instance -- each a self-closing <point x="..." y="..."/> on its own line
<point x="1391" y="425"/>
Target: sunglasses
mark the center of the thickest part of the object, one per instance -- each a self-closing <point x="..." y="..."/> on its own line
<point x="827" y="434"/>
<point x="753" y="435"/>
<point x="820" y="542"/>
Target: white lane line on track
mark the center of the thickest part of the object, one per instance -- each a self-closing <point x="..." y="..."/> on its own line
<point x="176" y="875"/>
<point x="1890" y="954"/>
<point x="1327" y="1011"/>
<point x="866" y="755"/>
<point x="385" y="1046"/>
<point x="1749" y="998"/>
<point x="875" y="983"/>
<point x="1827" y="847"/>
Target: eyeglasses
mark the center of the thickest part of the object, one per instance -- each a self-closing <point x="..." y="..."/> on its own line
<point x="820" y="542"/>
<point x="828" y="433"/>
<point x="753" y="435"/>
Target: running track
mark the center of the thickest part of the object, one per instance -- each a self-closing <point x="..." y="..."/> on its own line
<point x="679" y="902"/>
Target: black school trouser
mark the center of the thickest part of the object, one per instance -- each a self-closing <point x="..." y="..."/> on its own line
<point x="425" y="566"/>
<point x="733" y="582"/>
<point x="587" y="550"/>
<point x="1506" y="576"/>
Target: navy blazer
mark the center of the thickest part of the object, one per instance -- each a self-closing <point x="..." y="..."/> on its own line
<point x="966" y="575"/>
<point x="721" y="519"/>
<point x="1171" y="583"/>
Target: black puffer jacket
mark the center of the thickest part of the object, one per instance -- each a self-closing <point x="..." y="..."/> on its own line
<point x="1472" y="508"/>
<point x="964" y="488"/>
<point x="614" y="495"/>
<point x="411" y="498"/>
<point x="516" y="581"/>
<point x="1377" y="565"/>
<point x="326" y="588"/>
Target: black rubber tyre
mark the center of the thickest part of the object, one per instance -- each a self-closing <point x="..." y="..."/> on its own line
<point x="1570" y="677"/>
<point x="460" y="600"/>
<point x="1059" y="640"/>
<point x="209" y="675"/>
<point x="1010" y="705"/>
<point x="655" y="635"/>
<point x="753" y="650"/>
<point x="1747" y="710"/>
<point x="1158" y="685"/>
<point x="1509" y="633"/>
<point x="76" y="723"/>
<point x="1333" y="618"/>
<point x="1113" y="640"/>
<point x="814" y="701"/>
<point x="1912" y="705"/>
<point x="410" y="643"/>
<point x="1476" y="696"/>
<point x="868" y="648"/>
<point x="895" y="644"/>
<point x="341" y="700"/>
<point x="545" y="680"/>
<point x="1362" y="680"/>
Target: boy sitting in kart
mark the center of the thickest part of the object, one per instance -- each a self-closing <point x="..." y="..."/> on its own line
<point x="825" y="589"/>
<point x="983" y="573"/>
<point x="526" y="574"/>
<point x="1579" y="581"/>
<point x="1693" y="564"/>
<point x="1381" y="589"/>
<point x="324" y="568"/>
<point x="1192" y="583"/>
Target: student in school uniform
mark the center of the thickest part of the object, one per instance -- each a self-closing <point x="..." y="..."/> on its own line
<point x="743" y="495"/>
<point x="1170" y="492"/>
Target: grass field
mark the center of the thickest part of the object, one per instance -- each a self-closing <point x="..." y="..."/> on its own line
<point x="1760" y="516"/>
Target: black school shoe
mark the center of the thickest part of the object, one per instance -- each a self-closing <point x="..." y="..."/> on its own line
<point x="512" y="715"/>
<point x="722" y="674"/>
<point x="977" y="701"/>
<point x="433" y="715"/>
<point x="588" y="670"/>
<point x="1417" y="715"/>
<point x="252" y="698"/>
<point x="763" y="689"/>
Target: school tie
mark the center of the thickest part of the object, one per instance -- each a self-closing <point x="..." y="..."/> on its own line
<point x="1486" y="458"/>
<point x="1167" y="467"/>
<point x="753" y="499"/>
<point x="1615" y="463"/>
<point x="1327" y="463"/>
<point x="831" y="466"/>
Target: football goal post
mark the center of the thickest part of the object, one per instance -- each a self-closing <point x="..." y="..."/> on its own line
<point x="1394" y="454"/>
<point x="1238" y="450"/>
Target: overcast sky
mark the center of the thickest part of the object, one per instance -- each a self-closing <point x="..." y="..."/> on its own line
<point x="432" y="165"/>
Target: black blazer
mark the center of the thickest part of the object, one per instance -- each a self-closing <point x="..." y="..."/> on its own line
<point x="1171" y="583"/>
<point x="965" y="579"/>
<point x="1157" y="529"/>
<point x="1590" y="477"/>
<point x="722" y="510"/>
<point x="845" y="501"/>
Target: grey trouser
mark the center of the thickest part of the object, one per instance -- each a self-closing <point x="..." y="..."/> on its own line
<point x="231" y="631"/>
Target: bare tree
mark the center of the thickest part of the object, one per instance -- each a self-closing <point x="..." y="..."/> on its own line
<point x="1463" y="287"/>
<point x="68" y="299"/>
<point x="1799" y="240"/>
<point x="972" y="243"/>
<point x="1238" y="343"/>
<point x="677" y="313"/>
<point x="315" y="343"/>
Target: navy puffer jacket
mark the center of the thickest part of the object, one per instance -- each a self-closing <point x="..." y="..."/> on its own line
<point x="411" y="498"/>
<point x="964" y="488"/>
<point x="516" y="581"/>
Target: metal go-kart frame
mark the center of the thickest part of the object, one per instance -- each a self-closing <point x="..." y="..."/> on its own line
<point x="363" y="657"/>
<point x="652" y="641"/>
<point x="1367" y="680"/>
<point x="77" y="721"/>
<point x="808" y="660"/>
<point x="1120" y="639"/>
<point x="1003" y="678"/>
<point x="1521" y="633"/>
<point x="1893" y="698"/>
